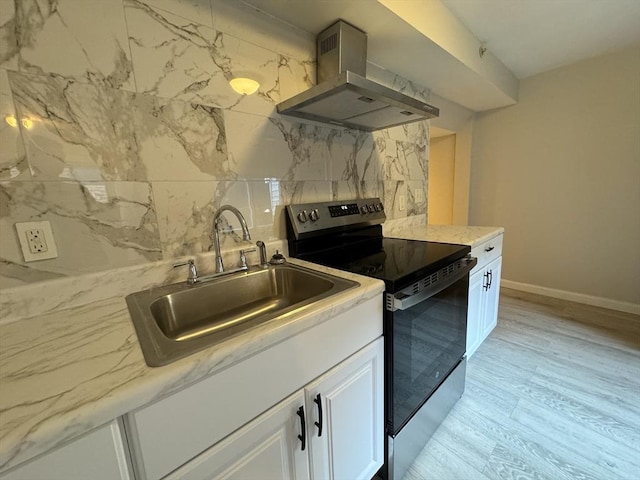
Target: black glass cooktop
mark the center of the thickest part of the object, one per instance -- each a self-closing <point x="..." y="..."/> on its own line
<point x="399" y="262"/>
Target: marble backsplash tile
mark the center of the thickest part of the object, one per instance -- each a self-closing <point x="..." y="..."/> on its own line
<point x="197" y="11"/>
<point x="57" y="37"/>
<point x="130" y="169"/>
<point x="90" y="133"/>
<point x="96" y="226"/>
<point x="263" y="147"/>
<point x="173" y="57"/>
<point x="13" y="159"/>
<point x="186" y="209"/>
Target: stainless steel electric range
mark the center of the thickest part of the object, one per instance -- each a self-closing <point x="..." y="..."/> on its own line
<point x="425" y="312"/>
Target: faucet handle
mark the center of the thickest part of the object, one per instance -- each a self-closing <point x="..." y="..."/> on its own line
<point x="243" y="257"/>
<point x="192" y="278"/>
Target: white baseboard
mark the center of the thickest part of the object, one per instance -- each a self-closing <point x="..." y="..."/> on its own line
<point x="618" y="305"/>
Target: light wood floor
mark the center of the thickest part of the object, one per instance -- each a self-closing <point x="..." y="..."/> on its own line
<point x="553" y="393"/>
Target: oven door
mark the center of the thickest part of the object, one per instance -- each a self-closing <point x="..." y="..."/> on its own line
<point x="426" y="329"/>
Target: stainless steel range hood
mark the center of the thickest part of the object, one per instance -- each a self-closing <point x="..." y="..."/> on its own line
<point x="344" y="96"/>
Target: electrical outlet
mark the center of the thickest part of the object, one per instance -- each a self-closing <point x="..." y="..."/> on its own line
<point x="402" y="202"/>
<point x="419" y="195"/>
<point x="36" y="240"/>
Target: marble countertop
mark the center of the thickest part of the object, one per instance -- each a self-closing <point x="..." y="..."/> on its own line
<point x="67" y="371"/>
<point x="464" y="235"/>
<point x="70" y="359"/>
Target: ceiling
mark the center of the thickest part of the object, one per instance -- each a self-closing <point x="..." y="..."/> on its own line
<point x="533" y="36"/>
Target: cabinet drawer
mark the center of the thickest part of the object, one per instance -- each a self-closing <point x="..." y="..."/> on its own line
<point x="173" y="430"/>
<point x="486" y="252"/>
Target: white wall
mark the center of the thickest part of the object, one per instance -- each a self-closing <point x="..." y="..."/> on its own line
<point x="561" y="172"/>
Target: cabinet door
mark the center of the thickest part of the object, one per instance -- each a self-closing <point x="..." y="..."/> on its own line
<point x="350" y="397"/>
<point x="475" y="313"/>
<point x="492" y="297"/>
<point x="99" y="455"/>
<point x="267" y="448"/>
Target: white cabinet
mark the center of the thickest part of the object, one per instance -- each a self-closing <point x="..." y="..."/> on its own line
<point x="266" y="448"/>
<point x="98" y="455"/>
<point x="169" y="433"/>
<point x="337" y="419"/>
<point x="345" y="406"/>
<point x="484" y="292"/>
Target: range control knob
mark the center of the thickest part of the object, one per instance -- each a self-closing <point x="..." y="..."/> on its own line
<point x="314" y="215"/>
<point x="364" y="209"/>
<point x="378" y="207"/>
<point x="381" y="206"/>
<point x="302" y="216"/>
<point x="372" y="208"/>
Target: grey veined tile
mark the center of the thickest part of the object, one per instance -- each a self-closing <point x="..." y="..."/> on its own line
<point x="361" y="158"/>
<point x="88" y="133"/>
<point x="261" y="147"/>
<point x="198" y="11"/>
<point x="186" y="211"/>
<point x="174" y="57"/>
<point x="91" y="33"/>
<point x="13" y="160"/>
<point x="96" y="226"/>
<point x="404" y="161"/>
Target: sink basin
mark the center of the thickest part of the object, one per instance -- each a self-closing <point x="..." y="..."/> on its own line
<point x="174" y="321"/>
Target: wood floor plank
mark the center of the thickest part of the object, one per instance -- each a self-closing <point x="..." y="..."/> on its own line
<point x="592" y="398"/>
<point x="472" y="445"/>
<point x="439" y="462"/>
<point x="616" y="457"/>
<point x="504" y="464"/>
<point x="553" y="393"/>
<point x="544" y="452"/>
<point x="596" y="391"/>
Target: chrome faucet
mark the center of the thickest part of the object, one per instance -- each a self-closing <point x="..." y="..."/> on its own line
<point x="216" y="234"/>
<point x="263" y="253"/>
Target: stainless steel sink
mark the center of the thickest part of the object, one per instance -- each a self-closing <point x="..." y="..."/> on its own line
<point x="177" y="320"/>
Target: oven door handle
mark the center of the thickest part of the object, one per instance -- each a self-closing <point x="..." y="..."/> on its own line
<point x="409" y="301"/>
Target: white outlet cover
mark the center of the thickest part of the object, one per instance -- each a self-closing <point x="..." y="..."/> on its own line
<point x="402" y="202"/>
<point x="52" y="251"/>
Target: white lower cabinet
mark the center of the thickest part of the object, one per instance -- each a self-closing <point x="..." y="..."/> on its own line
<point x="331" y="429"/>
<point x="98" y="455"/>
<point x="266" y="448"/>
<point x="484" y="293"/>
<point x="345" y="406"/>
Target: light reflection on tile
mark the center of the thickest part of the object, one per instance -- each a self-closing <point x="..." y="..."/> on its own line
<point x="13" y="160"/>
<point x="87" y="133"/>
<point x="174" y="58"/>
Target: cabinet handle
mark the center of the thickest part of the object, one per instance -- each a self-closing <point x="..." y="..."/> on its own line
<point x="303" y="427"/>
<point x="490" y="278"/>
<point x="318" y="401"/>
<point x="488" y="249"/>
<point x="485" y="284"/>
